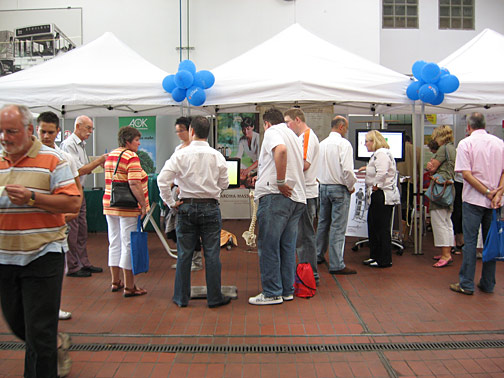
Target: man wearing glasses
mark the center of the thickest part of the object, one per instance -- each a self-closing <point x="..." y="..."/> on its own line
<point x="78" y="264"/>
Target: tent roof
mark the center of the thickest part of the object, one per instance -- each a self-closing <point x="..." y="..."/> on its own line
<point x="297" y="66"/>
<point x="478" y="66"/>
<point x="101" y="74"/>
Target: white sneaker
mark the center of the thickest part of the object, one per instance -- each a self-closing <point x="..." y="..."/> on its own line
<point x="287" y="298"/>
<point x="260" y="299"/>
<point x="64" y="315"/>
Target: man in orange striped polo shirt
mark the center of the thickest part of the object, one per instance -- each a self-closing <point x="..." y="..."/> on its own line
<point x="36" y="189"/>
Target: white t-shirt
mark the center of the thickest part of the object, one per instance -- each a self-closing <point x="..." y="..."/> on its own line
<point x="267" y="175"/>
<point x="312" y="157"/>
<point x="69" y="158"/>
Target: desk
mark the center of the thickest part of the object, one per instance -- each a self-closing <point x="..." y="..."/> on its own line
<point x="96" y="220"/>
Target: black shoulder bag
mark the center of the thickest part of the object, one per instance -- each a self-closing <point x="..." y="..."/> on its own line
<point x="120" y="192"/>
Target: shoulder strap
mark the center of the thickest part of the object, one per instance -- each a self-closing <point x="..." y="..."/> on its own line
<point x="118" y="160"/>
<point x="306" y="139"/>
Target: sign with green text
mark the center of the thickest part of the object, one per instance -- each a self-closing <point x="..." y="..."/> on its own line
<point x="147" y="150"/>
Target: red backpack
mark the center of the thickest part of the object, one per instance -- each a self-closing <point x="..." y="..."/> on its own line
<point x="304" y="283"/>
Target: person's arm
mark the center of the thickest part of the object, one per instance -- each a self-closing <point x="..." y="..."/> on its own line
<point x="347" y="166"/>
<point x="497" y="198"/>
<point x="89" y="167"/>
<point x="137" y="189"/>
<point x="54" y="203"/>
<point x="433" y="165"/>
<point x="71" y="216"/>
<point x="165" y="181"/>
<point x="306" y="165"/>
<point x="280" y="156"/>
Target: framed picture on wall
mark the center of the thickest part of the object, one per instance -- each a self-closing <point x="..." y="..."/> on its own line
<point x="238" y="137"/>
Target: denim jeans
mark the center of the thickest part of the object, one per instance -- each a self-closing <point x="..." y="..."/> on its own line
<point x="306" y="245"/>
<point x="277" y="218"/>
<point x="474" y="216"/>
<point x="195" y="221"/>
<point x="332" y="223"/>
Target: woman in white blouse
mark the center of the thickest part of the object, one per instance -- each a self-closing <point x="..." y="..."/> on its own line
<point x="381" y="185"/>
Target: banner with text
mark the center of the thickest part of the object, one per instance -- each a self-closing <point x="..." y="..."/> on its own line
<point x="147" y="149"/>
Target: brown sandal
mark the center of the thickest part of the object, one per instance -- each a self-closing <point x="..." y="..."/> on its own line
<point x="134" y="292"/>
<point x="116" y="286"/>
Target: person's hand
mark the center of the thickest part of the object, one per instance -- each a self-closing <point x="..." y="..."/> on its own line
<point x="143" y="211"/>
<point x="286" y="190"/>
<point x="496" y="201"/>
<point x="352" y="191"/>
<point x="18" y="194"/>
<point x="429" y="166"/>
<point x="176" y="206"/>
<point x="361" y="169"/>
<point x="103" y="158"/>
<point x="375" y="188"/>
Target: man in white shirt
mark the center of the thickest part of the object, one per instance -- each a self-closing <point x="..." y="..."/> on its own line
<point x="48" y="130"/>
<point x="337" y="180"/>
<point x="202" y="174"/>
<point x="280" y="190"/>
<point x="77" y="261"/>
<point x="306" y="246"/>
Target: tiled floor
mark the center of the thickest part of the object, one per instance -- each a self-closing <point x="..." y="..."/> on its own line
<point x="409" y="302"/>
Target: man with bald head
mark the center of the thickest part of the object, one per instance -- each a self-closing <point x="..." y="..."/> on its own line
<point x="78" y="264"/>
<point x="337" y="182"/>
<point x="38" y="188"/>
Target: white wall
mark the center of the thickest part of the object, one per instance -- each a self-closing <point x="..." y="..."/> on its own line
<point x="219" y="29"/>
<point x="400" y="48"/>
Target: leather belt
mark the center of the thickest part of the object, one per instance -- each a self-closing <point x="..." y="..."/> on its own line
<point x="199" y="200"/>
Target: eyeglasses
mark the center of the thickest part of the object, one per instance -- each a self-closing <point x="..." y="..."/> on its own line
<point x="9" y="131"/>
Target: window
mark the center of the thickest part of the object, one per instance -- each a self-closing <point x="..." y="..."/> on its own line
<point x="400" y="14"/>
<point x="456" y="14"/>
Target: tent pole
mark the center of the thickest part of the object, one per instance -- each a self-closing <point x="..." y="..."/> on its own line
<point x="415" y="181"/>
<point x="421" y="208"/>
<point x="94" y="153"/>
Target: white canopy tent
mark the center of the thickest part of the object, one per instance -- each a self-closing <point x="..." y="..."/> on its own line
<point x="296" y="66"/>
<point x="478" y="66"/>
<point x="101" y="78"/>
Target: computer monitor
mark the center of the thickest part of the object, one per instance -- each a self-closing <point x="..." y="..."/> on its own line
<point x="394" y="138"/>
<point x="233" y="165"/>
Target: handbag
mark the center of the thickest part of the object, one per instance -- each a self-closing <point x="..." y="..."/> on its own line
<point x="120" y="192"/>
<point x="493" y="249"/>
<point x="440" y="191"/>
<point x="139" y="250"/>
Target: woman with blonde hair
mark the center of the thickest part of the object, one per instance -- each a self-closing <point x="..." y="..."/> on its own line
<point x="381" y="185"/>
<point x="443" y="163"/>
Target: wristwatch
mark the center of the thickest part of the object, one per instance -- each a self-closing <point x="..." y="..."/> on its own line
<point x="487" y="192"/>
<point x="31" y="201"/>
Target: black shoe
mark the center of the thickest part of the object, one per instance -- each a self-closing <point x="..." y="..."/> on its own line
<point x="368" y="261"/>
<point x="80" y="273"/>
<point x="180" y="305"/>
<point x="375" y="264"/>
<point x="321" y="261"/>
<point x="483" y="289"/>
<point x="225" y="301"/>
<point x="346" y="270"/>
<point x="92" y="269"/>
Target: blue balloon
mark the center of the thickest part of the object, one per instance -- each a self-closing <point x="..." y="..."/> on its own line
<point x="196" y="96"/>
<point x="179" y="94"/>
<point x="439" y="98"/>
<point x="169" y="83"/>
<point x="416" y="69"/>
<point x="428" y="92"/>
<point x="431" y="73"/>
<point x="184" y="79"/>
<point x="204" y="79"/>
<point x="412" y="90"/>
<point x="448" y="83"/>
<point x="187" y="65"/>
<point x="444" y="71"/>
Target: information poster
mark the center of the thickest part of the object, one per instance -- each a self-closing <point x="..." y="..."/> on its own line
<point x="147" y="150"/>
<point x="357" y="215"/>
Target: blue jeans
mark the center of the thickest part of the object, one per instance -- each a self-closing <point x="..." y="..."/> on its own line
<point x="473" y="217"/>
<point x="277" y="218"/>
<point x="195" y="221"/>
<point x="306" y="245"/>
<point x="332" y="223"/>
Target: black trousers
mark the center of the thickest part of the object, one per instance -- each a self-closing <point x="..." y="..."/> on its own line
<point x="30" y="296"/>
<point x="456" y="216"/>
<point x="380" y="240"/>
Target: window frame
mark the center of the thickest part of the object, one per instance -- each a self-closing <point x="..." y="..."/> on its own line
<point x="399" y="20"/>
<point x="456" y="22"/>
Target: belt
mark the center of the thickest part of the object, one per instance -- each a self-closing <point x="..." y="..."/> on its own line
<point x="199" y="200"/>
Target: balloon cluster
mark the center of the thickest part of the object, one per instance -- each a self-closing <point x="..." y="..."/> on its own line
<point x="189" y="83"/>
<point x="433" y="82"/>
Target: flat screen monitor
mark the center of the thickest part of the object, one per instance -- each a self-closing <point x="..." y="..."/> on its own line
<point x="394" y="138"/>
<point x="233" y="165"/>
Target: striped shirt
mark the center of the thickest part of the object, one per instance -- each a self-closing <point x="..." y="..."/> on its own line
<point x="28" y="232"/>
<point x="129" y="169"/>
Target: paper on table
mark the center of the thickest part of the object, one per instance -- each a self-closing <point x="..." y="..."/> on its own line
<point x="98" y="169"/>
<point x="2" y="189"/>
